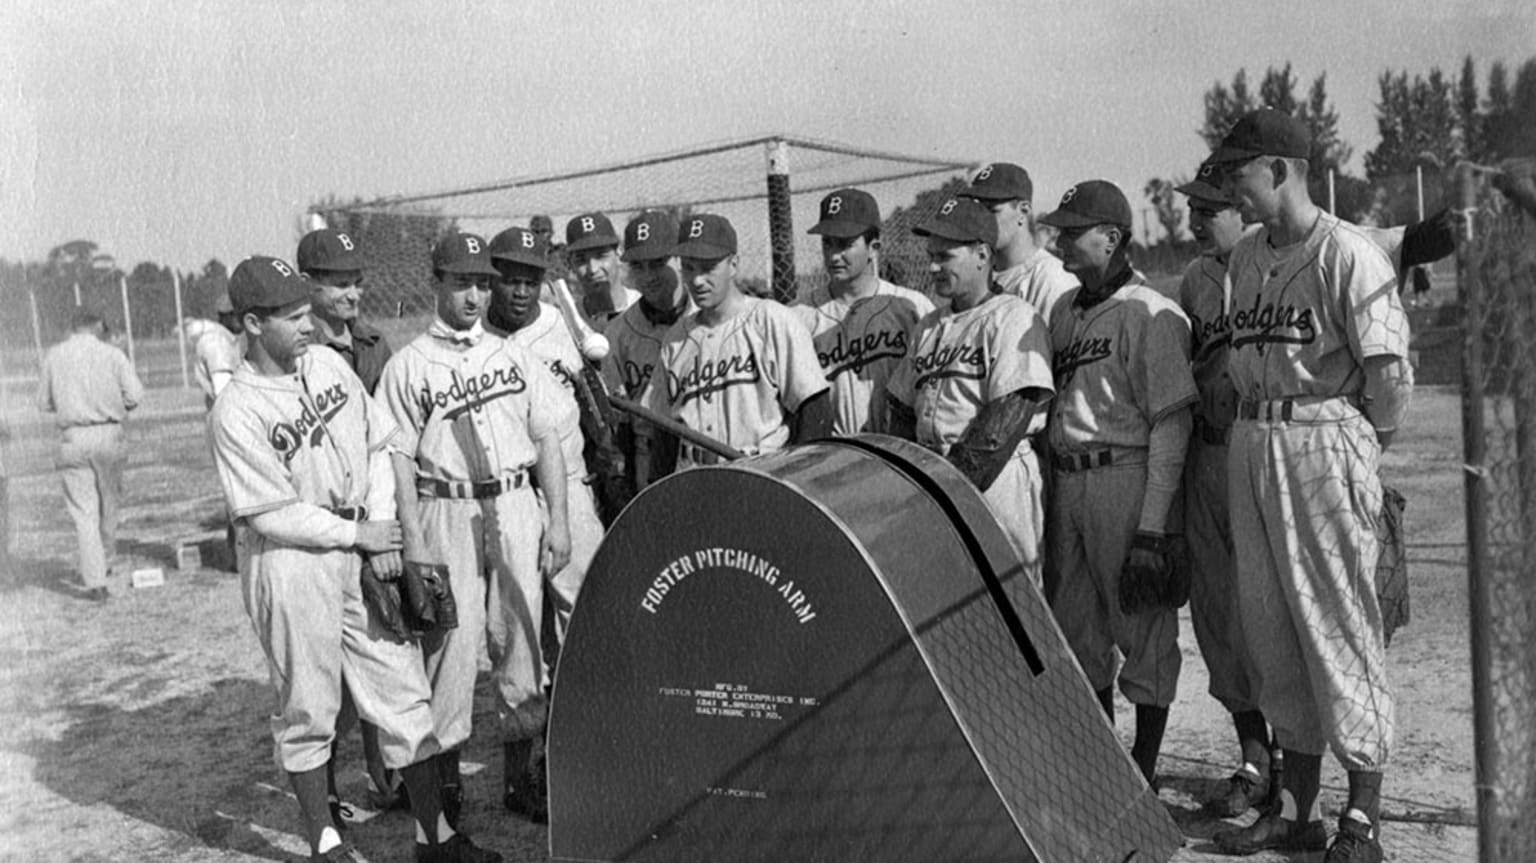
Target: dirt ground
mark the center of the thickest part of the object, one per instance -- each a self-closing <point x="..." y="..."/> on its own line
<point x="136" y="730"/>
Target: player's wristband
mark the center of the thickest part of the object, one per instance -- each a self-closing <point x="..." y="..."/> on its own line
<point x="1147" y="541"/>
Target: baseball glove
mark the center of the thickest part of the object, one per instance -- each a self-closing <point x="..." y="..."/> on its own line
<point x="383" y="601"/>
<point x="426" y="598"/>
<point x="1392" y="565"/>
<point x="1147" y="580"/>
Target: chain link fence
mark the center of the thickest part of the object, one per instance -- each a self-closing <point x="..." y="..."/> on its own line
<point x="1498" y="272"/>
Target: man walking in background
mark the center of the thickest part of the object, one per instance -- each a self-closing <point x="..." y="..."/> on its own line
<point x="90" y="386"/>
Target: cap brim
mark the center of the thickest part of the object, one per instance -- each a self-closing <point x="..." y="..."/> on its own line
<point x="988" y="195"/>
<point x="646" y="253"/>
<point x="592" y="241"/>
<point x="1068" y="219"/>
<point x="1226" y="155"/>
<point x="702" y="250"/>
<point x="470" y="268"/>
<point x="294" y="294"/>
<point x="531" y="259"/>
<point x="836" y="228"/>
<point x="1202" y="191"/>
<point x="349" y="262"/>
<point x="946" y="231"/>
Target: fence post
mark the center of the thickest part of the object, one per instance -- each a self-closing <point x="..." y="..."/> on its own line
<point x="181" y="332"/>
<point x="122" y="284"/>
<point x="781" y="230"/>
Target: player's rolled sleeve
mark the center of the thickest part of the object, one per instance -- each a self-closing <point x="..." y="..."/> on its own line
<point x="1021" y="350"/>
<point x="1378" y="326"/>
<point x="1160" y="364"/>
<point x="394" y="389"/>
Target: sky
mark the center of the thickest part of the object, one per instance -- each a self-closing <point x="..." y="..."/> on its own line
<point x="179" y="132"/>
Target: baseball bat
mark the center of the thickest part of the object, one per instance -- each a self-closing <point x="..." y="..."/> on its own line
<point x="593" y="345"/>
<point x="672" y="426"/>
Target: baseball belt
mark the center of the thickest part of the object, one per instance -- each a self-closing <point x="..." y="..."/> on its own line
<point x="481" y="490"/>
<point x="1307" y="409"/>
<point x="350" y="513"/>
<point x="1075" y="462"/>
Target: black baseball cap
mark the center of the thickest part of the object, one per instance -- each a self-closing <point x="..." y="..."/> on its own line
<point x="329" y="250"/>
<point x="999" y="181"/>
<point x="459" y="252"/>
<point x="520" y="246"/>
<point x="1206" y="186"/>
<point x="590" y="231"/>
<point x="1265" y="132"/>
<point x="1089" y="203"/>
<point x="649" y="236"/>
<point x="705" y="236"/>
<point x="261" y="282"/>
<point x="962" y="220"/>
<point x="847" y="213"/>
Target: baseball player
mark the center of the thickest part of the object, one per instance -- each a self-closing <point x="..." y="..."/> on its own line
<point x="517" y="314"/>
<point x="477" y="414"/>
<point x="334" y="264"/>
<point x="860" y="323"/>
<point x="1205" y="296"/>
<point x="1022" y="267"/>
<point x="977" y="375"/>
<point x="1318" y="362"/>
<point x="1118" y="431"/>
<point x="302" y="455"/>
<point x="90" y="386"/>
<point x="219" y="352"/>
<point x="593" y="250"/>
<point x="635" y="336"/>
<point x="740" y="369"/>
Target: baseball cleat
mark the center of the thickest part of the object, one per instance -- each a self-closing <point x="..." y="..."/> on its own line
<point x="1242" y="792"/>
<point x="346" y="852"/>
<point x="458" y="849"/>
<point x="1356" y="842"/>
<point x="1272" y="831"/>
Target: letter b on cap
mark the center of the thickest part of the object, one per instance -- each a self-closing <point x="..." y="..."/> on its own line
<point x="472" y="244"/>
<point x="834" y="205"/>
<point x="695" y="229"/>
<point x="587" y="225"/>
<point x="984" y="173"/>
<point x="643" y="231"/>
<point x="345" y="241"/>
<point x="949" y="207"/>
<point x="281" y="267"/>
<point x="527" y="239"/>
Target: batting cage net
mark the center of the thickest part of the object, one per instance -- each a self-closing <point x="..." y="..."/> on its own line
<point x="1497" y="269"/>
<point x="768" y="187"/>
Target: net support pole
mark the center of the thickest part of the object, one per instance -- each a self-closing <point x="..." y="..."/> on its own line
<point x="181" y="331"/>
<point x="781" y="229"/>
<point x="122" y="287"/>
<point x="1474" y="443"/>
<point x="37" y="324"/>
<point x="1333" y="207"/>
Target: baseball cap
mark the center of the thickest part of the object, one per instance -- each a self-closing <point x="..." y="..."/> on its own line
<point x="649" y="236"/>
<point x="999" y="181"/>
<point x="1206" y="186"/>
<point x="589" y="231"/>
<point x="705" y="236"/>
<point x="539" y="224"/>
<point x="1091" y="202"/>
<point x="329" y="249"/>
<point x="961" y="220"/>
<point x="463" y="253"/>
<point x="520" y="246"/>
<point x="1265" y="132"/>
<point x="260" y="282"/>
<point x="847" y="213"/>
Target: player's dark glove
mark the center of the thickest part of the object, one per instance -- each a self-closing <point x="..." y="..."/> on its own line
<point x="1392" y="564"/>
<point x="1144" y="578"/>
<point x="427" y="598"/>
<point x="1176" y="589"/>
<point x="383" y="601"/>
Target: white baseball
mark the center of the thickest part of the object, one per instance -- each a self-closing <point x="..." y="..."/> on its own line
<point x="594" y="347"/>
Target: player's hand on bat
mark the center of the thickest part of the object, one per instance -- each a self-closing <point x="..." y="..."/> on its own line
<point x="386" y="566"/>
<point x="554" y="549"/>
<point x="377" y="537"/>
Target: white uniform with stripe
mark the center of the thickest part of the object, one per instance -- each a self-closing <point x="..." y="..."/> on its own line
<point x="859" y="345"/>
<point x="470" y="413"/>
<point x="1305" y="496"/>
<point x="961" y="361"/>
<point x="1121" y="365"/>
<point x="315" y="441"/>
<point x="738" y="380"/>
<point x="548" y="339"/>
<point x="1041" y="281"/>
<point x="634" y="349"/>
<point x="1204" y="294"/>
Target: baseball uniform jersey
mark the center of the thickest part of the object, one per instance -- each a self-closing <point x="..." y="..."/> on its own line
<point x="219" y="352"/>
<point x="1205" y="295"/>
<point x="549" y="340"/>
<point x="736" y="380"/>
<point x="1040" y="281"/>
<point x="1304" y="492"/>
<point x="959" y="362"/>
<point x="313" y="446"/>
<point x="1121" y="365"/>
<point x="859" y="344"/>
<point x="470" y="406"/>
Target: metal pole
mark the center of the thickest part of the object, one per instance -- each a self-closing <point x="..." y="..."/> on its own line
<point x="1418" y="175"/>
<point x="77" y="295"/>
<point x="181" y="331"/>
<point x="1479" y="596"/>
<point x="781" y="231"/>
<point x="37" y="325"/>
<point x="1332" y="203"/>
<point x="122" y="284"/>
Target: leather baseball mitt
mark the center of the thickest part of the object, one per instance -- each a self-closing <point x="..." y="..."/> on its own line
<point x="426" y="598"/>
<point x="383" y="601"/>
<point x="1392" y="565"/>
<point x="1145" y="577"/>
